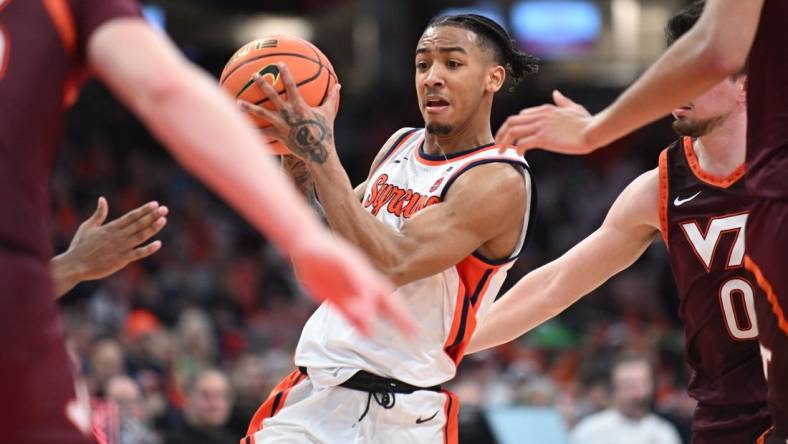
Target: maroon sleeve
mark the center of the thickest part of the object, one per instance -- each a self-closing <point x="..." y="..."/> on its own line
<point x="89" y="15"/>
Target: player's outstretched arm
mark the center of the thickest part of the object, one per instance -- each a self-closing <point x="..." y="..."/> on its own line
<point x="99" y="250"/>
<point x="716" y="47"/>
<point x="627" y="231"/>
<point x="211" y="138"/>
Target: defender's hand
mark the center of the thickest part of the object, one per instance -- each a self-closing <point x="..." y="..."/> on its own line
<point x="99" y="250"/>
<point x="306" y="131"/>
<point x="561" y="128"/>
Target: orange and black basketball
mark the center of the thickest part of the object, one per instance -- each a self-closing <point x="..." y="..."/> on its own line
<point x="310" y="68"/>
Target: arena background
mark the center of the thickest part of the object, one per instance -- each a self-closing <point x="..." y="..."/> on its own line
<point x="218" y="295"/>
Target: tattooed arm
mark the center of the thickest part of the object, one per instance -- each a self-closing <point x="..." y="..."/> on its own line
<point x="297" y="170"/>
<point x="473" y="216"/>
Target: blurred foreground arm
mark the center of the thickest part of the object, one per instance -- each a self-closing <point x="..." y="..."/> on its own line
<point x="209" y="136"/>
<point x="716" y="47"/>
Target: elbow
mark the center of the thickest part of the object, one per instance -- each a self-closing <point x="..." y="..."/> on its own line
<point x="162" y="88"/>
<point x="723" y="59"/>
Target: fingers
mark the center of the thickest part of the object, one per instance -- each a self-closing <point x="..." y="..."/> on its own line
<point x="358" y="317"/>
<point x="527" y="143"/>
<point x="561" y="100"/>
<point x="147" y="226"/>
<point x="332" y="100"/>
<point x="262" y="112"/>
<point x="293" y="95"/>
<point x="145" y="251"/>
<point x="100" y="215"/>
<point x="135" y="214"/>
<point x="392" y="308"/>
<point x="269" y="91"/>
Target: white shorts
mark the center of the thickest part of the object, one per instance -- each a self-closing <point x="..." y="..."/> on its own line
<point x="298" y="413"/>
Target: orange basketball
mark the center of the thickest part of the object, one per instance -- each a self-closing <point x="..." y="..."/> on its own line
<point x="310" y="68"/>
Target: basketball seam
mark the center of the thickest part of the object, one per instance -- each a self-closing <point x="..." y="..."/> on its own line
<point x="303" y="82"/>
<point x="328" y="81"/>
<point x="232" y="71"/>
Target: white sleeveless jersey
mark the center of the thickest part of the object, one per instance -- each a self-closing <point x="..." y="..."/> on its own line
<point x="446" y="305"/>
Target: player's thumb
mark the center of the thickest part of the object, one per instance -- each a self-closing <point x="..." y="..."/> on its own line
<point x="100" y="215"/>
<point x="562" y="100"/>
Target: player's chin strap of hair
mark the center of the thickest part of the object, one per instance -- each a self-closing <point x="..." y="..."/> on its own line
<point x="384" y="390"/>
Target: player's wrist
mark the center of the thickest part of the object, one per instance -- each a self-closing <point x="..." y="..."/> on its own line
<point x="67" y="269"/>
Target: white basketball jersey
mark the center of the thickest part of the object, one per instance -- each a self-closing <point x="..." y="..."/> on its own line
<point x="446" y="305"/>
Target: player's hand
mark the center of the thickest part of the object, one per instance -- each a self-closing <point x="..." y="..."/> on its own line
<point x="561" y="128"/>
<point x="99" y="250"/>
<point x="329" y="269"/>
<point x="308" y="132"/>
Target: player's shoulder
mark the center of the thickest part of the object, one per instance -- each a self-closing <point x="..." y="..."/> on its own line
<point x="392" y="143"/>
<point x="639" y="202"/>
<point x="399" y="136"/>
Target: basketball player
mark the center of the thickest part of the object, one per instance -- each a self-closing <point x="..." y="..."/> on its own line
<point x="45" y="46"/>
<point x="696" y="198"/>
<point x="432" y="219"/>
<point x="98" y="250"/>
<point x="727" y="32"/>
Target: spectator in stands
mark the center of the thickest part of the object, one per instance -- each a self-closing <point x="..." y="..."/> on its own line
<point x="631" y="419"/>
<point x="208" y="405"/>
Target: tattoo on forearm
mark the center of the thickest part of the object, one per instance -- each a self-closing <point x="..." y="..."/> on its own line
<point x="308" y="136"/>
<point x="296" y="168"/>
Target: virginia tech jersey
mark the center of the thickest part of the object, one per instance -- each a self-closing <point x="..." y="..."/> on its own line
<point x="703" y="217"/>
<point x="446" y="305"/>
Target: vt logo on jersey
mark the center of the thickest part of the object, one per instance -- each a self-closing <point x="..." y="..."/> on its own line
<point x="705" y="244"/>
<point x="736" y="294"/>
<point x="398" y="201"/>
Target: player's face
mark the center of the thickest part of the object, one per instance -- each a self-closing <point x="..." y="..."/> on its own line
<point x="708" y="111"/>
<point x="453" y="74"/>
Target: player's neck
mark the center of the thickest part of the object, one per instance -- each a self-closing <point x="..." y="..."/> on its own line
<point x="460" y="140"/>
<point x="723" y="150"/>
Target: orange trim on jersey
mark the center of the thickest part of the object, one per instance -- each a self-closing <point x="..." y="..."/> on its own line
<point x="475" y="277"/>
<point x="272" y="405"/>
<point x="457" y="319"/>
<point x="709" y="178"/>
<point x="422" y="160"/>
<point x="767" y="288"/>
<point x="762" y="439"/>
<point x="394" y="149"/>
<point x="451" y="409"/>
<point x="61" y="15"/>
<point x="664" y="196"/>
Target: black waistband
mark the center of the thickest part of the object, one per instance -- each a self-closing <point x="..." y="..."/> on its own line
<point x="368" y="382"/>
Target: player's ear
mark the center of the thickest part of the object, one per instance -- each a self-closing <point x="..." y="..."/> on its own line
<point x="495" y="78"/>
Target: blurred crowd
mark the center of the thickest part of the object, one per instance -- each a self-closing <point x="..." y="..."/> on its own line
<point x="183" y="346"/>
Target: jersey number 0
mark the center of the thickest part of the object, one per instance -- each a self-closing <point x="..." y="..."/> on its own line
<point x="705" y="246"/>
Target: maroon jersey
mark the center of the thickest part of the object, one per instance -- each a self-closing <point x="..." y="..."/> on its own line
<point x="42" y="52"/>
<point x="767" y="105"/>
<point x="703" y="219"/>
